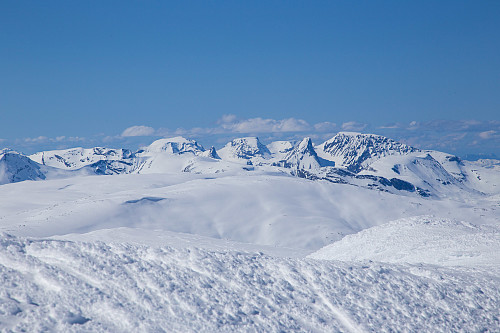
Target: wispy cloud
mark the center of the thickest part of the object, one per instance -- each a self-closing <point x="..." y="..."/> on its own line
<point x="325" y="126"/>
<point x="57" y="139"/>
<point x="138" y="131"/>
<point x="488" y="134"/>
<point x="260" y="125"/>
<point x="453" y="136"/>
<point x="39" y="139"/>
<point x="457" y="136"/>
<point x="354" y="126"/>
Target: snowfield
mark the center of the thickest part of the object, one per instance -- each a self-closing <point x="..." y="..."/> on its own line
<point x="253" y="208"/>
<point x="421" y="239"/>
<point x="358" y="234"/>
<point x="50" y="285"/>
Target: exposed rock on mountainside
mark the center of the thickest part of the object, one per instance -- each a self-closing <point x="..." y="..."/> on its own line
<point x="15" y="167"/>
<point x="355" y="151"/>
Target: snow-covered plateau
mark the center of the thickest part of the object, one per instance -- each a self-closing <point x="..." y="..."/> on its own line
<point x="357" y="234"/>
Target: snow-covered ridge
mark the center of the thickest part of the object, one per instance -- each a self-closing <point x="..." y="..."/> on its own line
<point x="367" y="160"/>
<point x="176" y="145"/>
<point x="15" y="167"/>
<point x="244" y="149"/>
<point x="77" y="158"/>
<point x="354" y="151"/>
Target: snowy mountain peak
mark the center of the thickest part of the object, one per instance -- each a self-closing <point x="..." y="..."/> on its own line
<point x="279" y="147"/>
<point x="244" y="148"/>
<point x="304" y="157"/>
<point x="354" y="151"/>
<point x="176" y="145"/>
<point x="212" y="153"/>
<point x="15" y="167"/>
<point x="76" y="158"/>
<point x="306" y="145"/>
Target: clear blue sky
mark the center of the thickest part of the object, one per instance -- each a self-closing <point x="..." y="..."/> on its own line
<point x="83" y="68"/>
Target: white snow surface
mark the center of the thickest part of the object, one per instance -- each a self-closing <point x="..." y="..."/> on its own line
<point x="255" y="207"/>
<point x="421" y="239"/>
<point x="63" y="286"/>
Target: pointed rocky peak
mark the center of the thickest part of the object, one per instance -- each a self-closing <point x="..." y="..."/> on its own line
<point x="303" y="156"/>
<point x="212" y="153"/>
<point x="177" y="145"/>
<point x="306" y="147"/>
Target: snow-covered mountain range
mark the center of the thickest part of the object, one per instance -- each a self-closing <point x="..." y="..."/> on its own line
<point x="356" y="234"/>
<point x="366" y="160"/>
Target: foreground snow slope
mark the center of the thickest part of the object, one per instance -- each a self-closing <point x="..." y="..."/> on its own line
<point x="421" y="239"/>
<point x="252" y="208"/>
<point x="49" y="285"/>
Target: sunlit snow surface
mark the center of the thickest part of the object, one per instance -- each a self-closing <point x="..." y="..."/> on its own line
<point x="49" y="285"/>
<point x="227" y="252"/>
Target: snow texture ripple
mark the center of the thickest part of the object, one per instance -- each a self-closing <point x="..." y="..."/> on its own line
<point x="49" y="285"/>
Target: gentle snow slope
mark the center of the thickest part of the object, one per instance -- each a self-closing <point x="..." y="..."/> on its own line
<point x="421" y="239"/>
<point x="64" y="286"/>
<point x="255" y="208"/>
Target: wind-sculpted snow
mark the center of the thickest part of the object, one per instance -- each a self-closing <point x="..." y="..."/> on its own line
<point x="63" y="286"/>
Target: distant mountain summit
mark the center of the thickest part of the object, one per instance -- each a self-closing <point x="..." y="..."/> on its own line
<point x="176" y="145"/>
<point x="248" y="150"/>
<point x="76" y="158"/>
<point x="304" y="157"/>
<point x="355" y="151"/>
<point x="15" y="167"/>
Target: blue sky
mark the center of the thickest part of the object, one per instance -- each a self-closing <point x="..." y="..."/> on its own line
<point x="83" y="72"/>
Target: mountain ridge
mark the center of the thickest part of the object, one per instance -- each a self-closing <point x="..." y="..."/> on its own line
<point x="366" y="160"/>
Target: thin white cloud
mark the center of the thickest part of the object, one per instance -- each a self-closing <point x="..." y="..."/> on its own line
<point x="452" y="136"/>
<point x="487" y="134"/>
<point x="325" y="126"/>
<point x="44" y="139"/>
<point x="227" y="118"/>
<point x="391" y="126"/>
<point x="39" y="139"/>
<point x="354" y="126"/>
<point x="138" y="131"/>
<point x="261" y="125"/>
